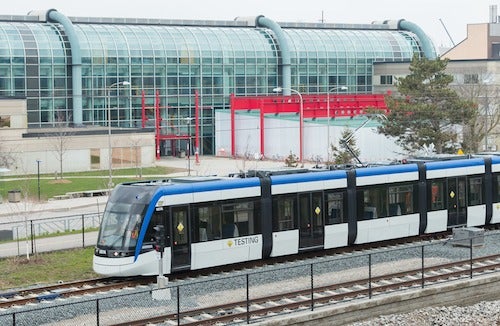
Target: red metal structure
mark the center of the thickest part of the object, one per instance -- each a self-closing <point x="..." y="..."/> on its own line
<point x="160" y="135"/>
<point x="313" y="106"/>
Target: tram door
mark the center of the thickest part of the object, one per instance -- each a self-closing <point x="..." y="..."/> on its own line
<point x="457" y="204"/>
<point x="311" y="224"/>
<point x="181" y="255"/>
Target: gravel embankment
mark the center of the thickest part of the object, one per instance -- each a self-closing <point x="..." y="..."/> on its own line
<point x="137" y="303"/>
<point x="483" y="313"/>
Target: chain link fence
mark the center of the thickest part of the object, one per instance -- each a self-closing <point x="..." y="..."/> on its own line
<point x="48" y="234"/>
<point x="245" y="292"/>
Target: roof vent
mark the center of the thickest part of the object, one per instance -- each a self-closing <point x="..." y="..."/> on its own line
<point x="493" y="14"/>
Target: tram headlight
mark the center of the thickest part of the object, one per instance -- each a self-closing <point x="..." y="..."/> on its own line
<point x="116" y="253"/>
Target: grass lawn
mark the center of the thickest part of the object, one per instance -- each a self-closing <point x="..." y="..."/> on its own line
<point x="67" y="265"/>
<point x="91" y="180"/>
<point x="46" y="268"/>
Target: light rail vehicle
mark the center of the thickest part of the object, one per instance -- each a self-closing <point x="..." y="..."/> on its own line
<point x="213" y="221"/>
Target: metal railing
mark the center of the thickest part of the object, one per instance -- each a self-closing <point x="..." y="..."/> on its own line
<point x="48" y="234"/>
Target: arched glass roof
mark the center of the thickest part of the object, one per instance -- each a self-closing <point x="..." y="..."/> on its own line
<point x="175" y="60"/>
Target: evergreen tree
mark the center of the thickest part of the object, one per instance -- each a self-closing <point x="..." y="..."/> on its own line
<point x="427" y="111"/>
<point x="347" y="152"/>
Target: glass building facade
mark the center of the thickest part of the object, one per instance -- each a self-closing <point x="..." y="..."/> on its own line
<point x="175" y="59"/>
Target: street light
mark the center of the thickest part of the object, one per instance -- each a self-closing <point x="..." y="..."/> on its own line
<point x="301" y="120"/>
<point x="38" y="174"/>
<point x="343" y="88"/>
<point x="188" y="145"/>
<point x="110" y="158"/>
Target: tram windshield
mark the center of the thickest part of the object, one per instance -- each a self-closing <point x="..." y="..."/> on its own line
<point x="120" y="226"/>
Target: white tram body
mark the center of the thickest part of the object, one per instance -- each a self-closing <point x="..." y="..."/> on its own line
<point x="214" y="221"/>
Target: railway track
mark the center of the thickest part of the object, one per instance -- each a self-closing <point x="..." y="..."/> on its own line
<point x="241" y="311"/>
<point x="16" y="298"/>
<point x="233" y="312"/>
<point x="64" y="290"/>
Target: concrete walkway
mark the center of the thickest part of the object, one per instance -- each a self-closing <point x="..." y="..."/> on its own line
<point x="207" y="166"/>
<point x="12" y="213"/>
<point x="219" y="165"/>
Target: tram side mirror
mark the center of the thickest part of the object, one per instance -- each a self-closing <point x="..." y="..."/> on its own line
<point x="159" y="237"/>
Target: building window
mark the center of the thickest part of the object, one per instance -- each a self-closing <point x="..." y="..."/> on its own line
<point x="386" y="80"/>
<point x="5" y="121"/>
<point x="95" y="158"/>
<point x="471" y="79"/>
<point x="495" y="51"/>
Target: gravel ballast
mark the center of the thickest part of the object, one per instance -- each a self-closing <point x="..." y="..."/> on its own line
<point x="483" y="313"/>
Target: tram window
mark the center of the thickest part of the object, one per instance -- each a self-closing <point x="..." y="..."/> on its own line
<point x="242" y="216"/>
<point x="475" y="191"/>
<point x="206" y="223"/>
<point x="373" y="202"/>
<point x="132" y="231"/>
<point x="200" y="223"/>
<point x="335" y="208"/>
<point x="179" y="221"/>
<point x="400" y="200"/>
<point x="496" y="188"/>
<point x="238" y="219"/>
<point x="283" y="213"/>
<point x="229" y="227"/>
<point x="436" y="195"/>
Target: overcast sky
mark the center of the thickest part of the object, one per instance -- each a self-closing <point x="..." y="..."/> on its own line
<point x="455" y="14"/>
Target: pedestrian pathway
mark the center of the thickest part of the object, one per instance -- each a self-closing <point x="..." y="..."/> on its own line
<point x="12" y="213"/>
<point x="206" y="166"/>
<point x="219" y="165"/>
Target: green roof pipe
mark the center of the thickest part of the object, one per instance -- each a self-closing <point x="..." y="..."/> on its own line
<point x="425" y="41"/>
<point x="76" y="62"/>
<point x="284" y="48"/>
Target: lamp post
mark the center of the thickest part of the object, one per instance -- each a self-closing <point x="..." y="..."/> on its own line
<point x="38" y="177"/>
<point x="486" y="107"/>
<point x="343" y="88"/>
<point x="110" y="157"/>
<point x="301" y="121"/>
<point x="188" y="145"/>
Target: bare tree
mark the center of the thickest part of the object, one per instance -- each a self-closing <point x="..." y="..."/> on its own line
<point x="478" y="86"/>
<point x="7" y="158"/>
<point x="62" y="135"/>
<point x="25" y="206"/>
<point x="135" y="144"/>
<point x="246" y="155"/>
